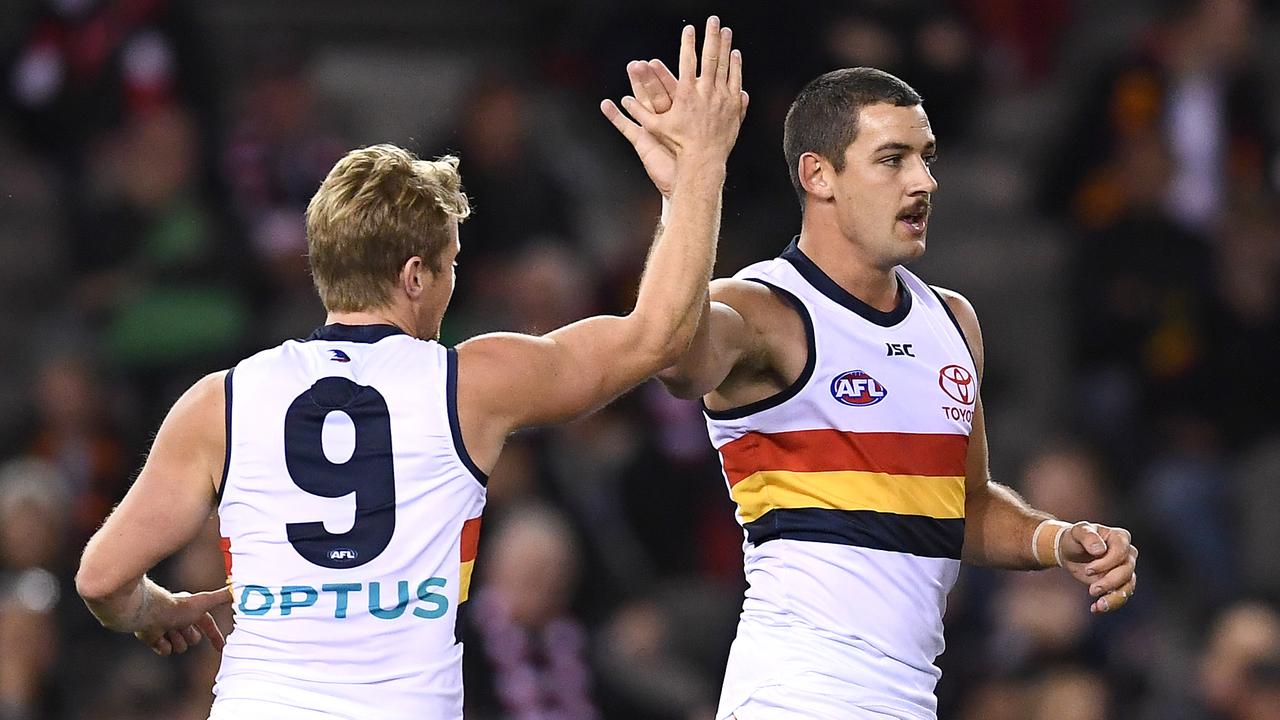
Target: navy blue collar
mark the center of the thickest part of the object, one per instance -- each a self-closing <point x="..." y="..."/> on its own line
<point x="355" y="333"/>
<point x="823" y="283"/>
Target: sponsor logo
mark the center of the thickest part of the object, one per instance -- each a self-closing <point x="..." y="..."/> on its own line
<point x="347" y="554"/>
<point x="898" y="349"/>
<point x="957" y="383"/>
<point x="339" y="356"/>
<point x="857" y="388"/>
<point x="385" y="600"/>
<point x="958" y="414"/>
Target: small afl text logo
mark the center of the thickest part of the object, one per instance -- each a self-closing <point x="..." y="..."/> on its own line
<point x="857" y="388"/>
<point x="339" y="356"/>
<point x="957" y="383"/>
<point x="342" y="554"/>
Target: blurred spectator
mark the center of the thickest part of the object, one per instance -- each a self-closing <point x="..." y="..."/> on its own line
<point x="663" y="657"/>
<point x="516" y="199"/>
<point x="1069" y="694"/>
<point x="160" y="270"/>
<point x="1195" y="89"/>
<point x="280" y="148"/>
<point x="1244" y="305"/>
<point x="71" y="429"/>
<point x="527" y="655"/>
<point x="83" y="68"/>
<point x="33" y="572"/>
<point x="928" y="42"/>
<point x="1242" y="638"/>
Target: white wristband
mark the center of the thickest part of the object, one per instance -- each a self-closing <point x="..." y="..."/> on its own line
<point x="1057" y="544"/>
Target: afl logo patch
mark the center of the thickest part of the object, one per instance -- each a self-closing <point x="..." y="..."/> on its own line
<point x="857" y="388"/>
<point x="957" y="383"/>
<point x="343" y="554"/>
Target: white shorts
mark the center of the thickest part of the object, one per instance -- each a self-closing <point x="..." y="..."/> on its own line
<point x="780" y="703"/>
<point x="795" y="673"/>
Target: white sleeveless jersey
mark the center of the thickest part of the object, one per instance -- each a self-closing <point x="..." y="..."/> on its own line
<point x="350" y="513"/>
<point x="850" y="488"/>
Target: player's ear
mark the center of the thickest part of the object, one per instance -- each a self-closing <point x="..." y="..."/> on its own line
<point x="814" y="172"/>
<point x="413" y="280"/>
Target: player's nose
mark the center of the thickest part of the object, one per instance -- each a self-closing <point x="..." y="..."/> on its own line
<point x="921" y="180"/>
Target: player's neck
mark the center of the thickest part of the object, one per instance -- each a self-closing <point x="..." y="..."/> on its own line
<point x="847" y="265"/>
<point x="380" y="316"/>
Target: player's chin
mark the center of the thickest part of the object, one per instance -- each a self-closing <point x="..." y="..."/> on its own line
<point x="911" y="245"/>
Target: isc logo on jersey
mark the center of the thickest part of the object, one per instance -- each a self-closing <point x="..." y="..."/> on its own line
<point x="857" y="388"/>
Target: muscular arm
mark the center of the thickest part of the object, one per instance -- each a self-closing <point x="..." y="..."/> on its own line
<point x="1000" y="526"/>
<point x="998" y="522"/>
<point x="509" y="381"/>
<point x="163" y="511"/>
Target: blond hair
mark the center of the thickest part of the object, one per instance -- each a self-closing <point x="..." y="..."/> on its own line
<point x="378" y="207"/>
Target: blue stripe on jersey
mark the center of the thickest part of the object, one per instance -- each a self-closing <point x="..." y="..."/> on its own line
<point x="226" y="459"/>
<point x="913" y="534"/>
<point x="451" y="393"/>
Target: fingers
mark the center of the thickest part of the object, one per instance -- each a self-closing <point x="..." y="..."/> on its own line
<point x="161" y="647"/>
<point x="176" y="640"/>
<point x="1112" y="581"/>
<point x="1119" y="550"/>
<point x="688" y="55"/>
<point x="746" y="100"/>
<point x="196" y="604"/>
<point x="735" y="74"/>
<point x="647" y="88"/>
<point x="630" y="130"/>
<point x="710" y="50"/>
<point x="664" y="76"/>
<point x="723" y="64"/>
<point x="210" y="628"/>
<point x="1116" y="599"/>
<point x="637" y="111"/>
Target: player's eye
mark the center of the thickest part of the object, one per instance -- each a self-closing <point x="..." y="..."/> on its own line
<point x="893" y="160"/>
<point x="930" y="159"/>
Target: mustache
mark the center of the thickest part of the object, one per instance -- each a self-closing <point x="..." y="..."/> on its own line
<point x="919" y="207"/>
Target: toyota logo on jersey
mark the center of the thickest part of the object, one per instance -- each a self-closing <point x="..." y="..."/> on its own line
<point x="857" y="388"/>
<point x="957" y="383"/>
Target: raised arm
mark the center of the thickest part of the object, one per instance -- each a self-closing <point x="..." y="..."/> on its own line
<point x="508" y="381"/>
<point x="1002" y="530"/>
<point x="163" y="511"/>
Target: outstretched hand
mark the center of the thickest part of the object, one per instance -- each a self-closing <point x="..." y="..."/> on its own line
<point x="184" y="622"/>
<point x="697" y="111"/>
<point x="1105" y="559"/>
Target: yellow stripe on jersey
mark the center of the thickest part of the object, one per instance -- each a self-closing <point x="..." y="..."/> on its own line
<point x="464" y="580"/>
<point x="929" y="496"/>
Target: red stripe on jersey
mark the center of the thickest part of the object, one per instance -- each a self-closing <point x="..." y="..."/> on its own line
<point x="470" y="539"/>
<point x="225" y="545"/>
<point x="834" y="450"/>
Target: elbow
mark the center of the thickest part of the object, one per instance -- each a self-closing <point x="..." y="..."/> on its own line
<point x="91" y="585"/>
<point x="662" y="347"/>
<point x="94" y="584"/>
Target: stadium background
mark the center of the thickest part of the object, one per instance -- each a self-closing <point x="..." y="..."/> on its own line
<point x="1108" y="175"/>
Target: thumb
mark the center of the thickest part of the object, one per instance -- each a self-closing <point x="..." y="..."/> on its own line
<point x="203" y="602"/>
<point x="1086" y="533"/>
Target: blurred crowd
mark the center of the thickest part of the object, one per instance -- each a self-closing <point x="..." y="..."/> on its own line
<point x="151" y="231"/>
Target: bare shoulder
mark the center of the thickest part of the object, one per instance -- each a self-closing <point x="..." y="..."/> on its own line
<point x="195" y="430"/>
<point x="760" y="306"/>
<point x="776" y="330"/>
<point x="964" y="313"/>
<point x="205" y="401"/>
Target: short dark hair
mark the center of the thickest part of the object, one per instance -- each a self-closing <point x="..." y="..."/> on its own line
<point x="823" y="119"/>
